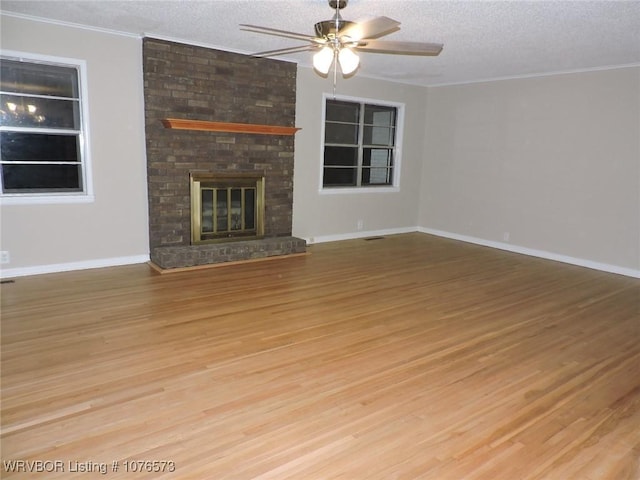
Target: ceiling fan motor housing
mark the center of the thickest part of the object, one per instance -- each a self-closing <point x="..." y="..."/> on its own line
<point x="328" y="27"/>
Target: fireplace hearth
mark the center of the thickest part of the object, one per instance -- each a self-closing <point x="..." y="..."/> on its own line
<point x="168" y="258"/>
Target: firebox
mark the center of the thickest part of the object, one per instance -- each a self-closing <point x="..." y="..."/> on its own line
<point x="226" y="207"/>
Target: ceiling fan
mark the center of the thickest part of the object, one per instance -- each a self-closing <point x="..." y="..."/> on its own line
<point x="337" y="41"/>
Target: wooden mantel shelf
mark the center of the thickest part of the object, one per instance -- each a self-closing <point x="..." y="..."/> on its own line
<point x="180" y="124"/>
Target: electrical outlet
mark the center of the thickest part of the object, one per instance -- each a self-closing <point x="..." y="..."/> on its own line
<point x="4" y="257"/>
<point x="360" y="225"/>
<point x="506" y="236"/>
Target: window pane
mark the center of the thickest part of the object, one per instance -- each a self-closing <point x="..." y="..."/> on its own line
<point x="358" y="159"/>
<point x="41" y="178"/>
<point x="377" y="157"/>
<point x="36" y="147"/>
<point x="378" y="136"/>
<point x="36" y="112"/>
<point x="338" y="111"/>
<point x="341" y="156"/>
<point x="376" y="176"/>
<point x="334" y="177"/>
<point x="38" y="105"/>
<point x="377" y="163"/>
<point x="38" y="79"/>
<point x="341" y="133"/>
<point x="379" y="115"/>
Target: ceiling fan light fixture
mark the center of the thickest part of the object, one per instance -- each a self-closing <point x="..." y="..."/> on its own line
<point x="337" y="42"/>
<point x="323" y="59"/>
<point x="348" y="60"/>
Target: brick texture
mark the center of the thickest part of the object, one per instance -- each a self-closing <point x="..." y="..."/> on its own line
<point x="197" y="83"/>
<point x="176" y="257"/>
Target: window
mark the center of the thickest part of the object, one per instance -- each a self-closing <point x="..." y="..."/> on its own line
<point x="43" y="151"/>
<point x="360" y="144"/>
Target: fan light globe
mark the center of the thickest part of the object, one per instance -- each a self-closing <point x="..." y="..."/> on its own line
<point x="349" y="61"/>
<point x="323" y="59"/>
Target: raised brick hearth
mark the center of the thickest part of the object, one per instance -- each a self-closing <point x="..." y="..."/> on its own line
<point x="196" y="83"/>
<point x="188" y="256"/>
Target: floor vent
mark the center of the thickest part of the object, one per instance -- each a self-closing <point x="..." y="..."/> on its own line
<point x="373" y="238"/>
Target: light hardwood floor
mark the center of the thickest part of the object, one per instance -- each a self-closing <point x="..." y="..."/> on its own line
<point x="409" y="357"/>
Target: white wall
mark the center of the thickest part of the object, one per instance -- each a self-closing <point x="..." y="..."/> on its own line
<point x="554" y="161"/>
<point x="320" y="217"/>
<point x="547" y="165"/>
<point x="113" y="229"/>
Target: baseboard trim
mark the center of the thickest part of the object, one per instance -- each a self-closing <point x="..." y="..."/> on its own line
<point x="605" y="267"/>
<point x="356" y="235"/>
<point x="118" y="261"/>
<point x="67" y="267"/>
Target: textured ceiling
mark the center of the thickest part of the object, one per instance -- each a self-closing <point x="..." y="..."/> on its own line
<point x="483" y="40"/>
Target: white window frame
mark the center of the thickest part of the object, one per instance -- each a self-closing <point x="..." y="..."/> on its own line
<point x="86" y="196"/>
<point x="397" y="160"/>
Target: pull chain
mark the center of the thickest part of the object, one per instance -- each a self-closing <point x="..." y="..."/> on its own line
<point x="336" y="47"/>
<point x="335" y="72"/>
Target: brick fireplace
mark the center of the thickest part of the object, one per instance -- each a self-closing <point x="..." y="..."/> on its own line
<point x="207" y="86"/>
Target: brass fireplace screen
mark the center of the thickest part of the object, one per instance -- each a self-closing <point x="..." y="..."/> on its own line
<point x="226" y="207"/>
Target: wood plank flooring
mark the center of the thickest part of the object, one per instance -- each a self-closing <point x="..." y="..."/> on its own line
<point x="407" y="357"/>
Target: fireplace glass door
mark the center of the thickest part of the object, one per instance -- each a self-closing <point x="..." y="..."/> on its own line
<point x="228" y="210"/>
<point x="225" y="208"/>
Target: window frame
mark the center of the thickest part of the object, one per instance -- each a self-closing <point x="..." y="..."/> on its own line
<point x="397" y="147"/>
<point x="87" y="194"/>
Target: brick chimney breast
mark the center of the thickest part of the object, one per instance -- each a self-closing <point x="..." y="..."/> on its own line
<point x="197" y="83"/>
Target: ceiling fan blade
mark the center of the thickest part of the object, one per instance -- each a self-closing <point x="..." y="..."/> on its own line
<point x="282" y="51"/>
<point x="400" y="48"/>
<point x="280" y="33"/>
<point x="376" y="27"/>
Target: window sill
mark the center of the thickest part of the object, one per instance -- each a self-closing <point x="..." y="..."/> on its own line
<point x="352" y="190"/>
<point x="45" y="199"/>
